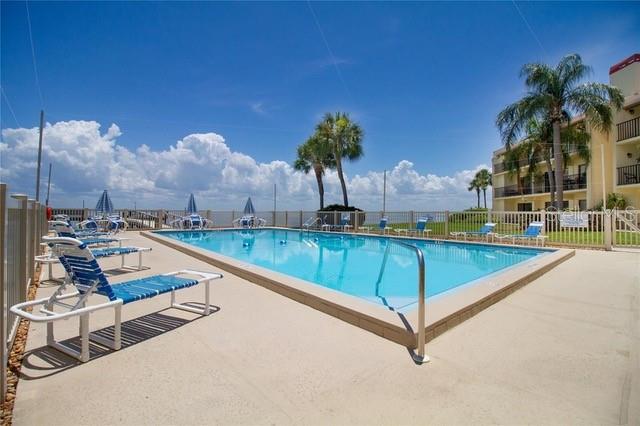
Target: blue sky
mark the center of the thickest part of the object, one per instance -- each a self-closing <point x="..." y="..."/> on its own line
<point x="425" y="80"/>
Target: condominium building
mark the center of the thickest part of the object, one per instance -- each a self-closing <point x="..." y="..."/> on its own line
<point x="614" y="165"/>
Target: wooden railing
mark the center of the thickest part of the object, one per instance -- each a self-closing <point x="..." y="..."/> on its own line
<point x="628" y="129"/>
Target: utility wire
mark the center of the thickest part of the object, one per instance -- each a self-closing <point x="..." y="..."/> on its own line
<point x="331" y="55"/>
<point x="6" y="99"/>
<point x="530" y="29"/>
<point x="33" y="56"/>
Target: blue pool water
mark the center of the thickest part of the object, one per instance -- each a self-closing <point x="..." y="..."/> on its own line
<point x="351" y="263"/>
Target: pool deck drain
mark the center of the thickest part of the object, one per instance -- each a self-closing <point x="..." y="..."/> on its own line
<point x="443" y="311"/>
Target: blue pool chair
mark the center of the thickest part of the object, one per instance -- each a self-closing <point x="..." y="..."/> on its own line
<point x="532" y="233"/>
<point x="63" y="229"/>
<point x="88" y="279"/>
<point x="420" y="229"/>
<point x="485" y="231"/>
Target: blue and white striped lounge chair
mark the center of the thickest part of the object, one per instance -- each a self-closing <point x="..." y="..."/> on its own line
<point x="50" y="259"/>
<point x="420" y="229"/>
<point x="249" y="221"/>
<point x="88" y="279"/>
<point x="485" y="231"/>
<point x="532" y="233"/>
<point x="63" y="229"/>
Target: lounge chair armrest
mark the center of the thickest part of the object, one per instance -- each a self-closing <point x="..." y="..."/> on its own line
<point x="19" y="309"/>
<point x="205" y="276"/>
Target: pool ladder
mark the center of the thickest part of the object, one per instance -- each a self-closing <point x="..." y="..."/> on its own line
<point x="420" y="356"/>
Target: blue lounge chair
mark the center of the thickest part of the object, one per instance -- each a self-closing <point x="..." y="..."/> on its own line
<point x="344" y="223"/>
<point x="88" y="279"/>
<point x="532" y="233"/>
<point x="382" y="226"/>
<point x="64" y="229"/>
<point x="420" y="229"/>
<point x="485" y="232"/>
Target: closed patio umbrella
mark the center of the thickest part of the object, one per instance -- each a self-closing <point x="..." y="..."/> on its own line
<point x="248" y="208"/>
<point x="104" y="204"/>
<point x="191" y="206"/>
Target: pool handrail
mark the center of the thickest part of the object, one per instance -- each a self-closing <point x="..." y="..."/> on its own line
<point x="420" y="357"/>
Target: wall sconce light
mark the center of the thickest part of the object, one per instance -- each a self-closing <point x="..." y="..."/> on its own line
<point x="629" y="155"/>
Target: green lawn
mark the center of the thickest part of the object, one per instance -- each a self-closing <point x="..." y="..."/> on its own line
<point x="560" y="237"/>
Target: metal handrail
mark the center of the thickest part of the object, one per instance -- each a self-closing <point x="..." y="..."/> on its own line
<point x="420" y="357"/>
<point x="310" y="222"/>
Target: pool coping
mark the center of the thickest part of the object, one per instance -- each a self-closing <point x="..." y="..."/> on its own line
<point x="443" y="311"/>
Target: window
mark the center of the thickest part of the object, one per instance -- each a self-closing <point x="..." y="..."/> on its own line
<point x="582" y="204"/>
<point x="565" y="204"/>
<point x="525" y="207"/>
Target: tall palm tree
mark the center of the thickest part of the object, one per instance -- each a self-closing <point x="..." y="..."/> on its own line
<point x="483" y="179"/>
<point x="474" y="185"/>
<point x="345" y="137"/>
<point x="315" y="154"/>
<point x="539" y="141"/>
<point x="553" y="93"/>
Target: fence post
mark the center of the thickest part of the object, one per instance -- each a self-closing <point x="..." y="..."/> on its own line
<point x="543" y="219"/>
<point x="22" y="246"/>
<point x="607" y="230"/>
<point x="446" y="224"/>
<point x="300" y="219"/>
<point x="489" y="216"/>
<point x="286" y="218"/>
<point x="411" y="219"/>
<point x="3" y="314"/>
<point x="31" y="232"/>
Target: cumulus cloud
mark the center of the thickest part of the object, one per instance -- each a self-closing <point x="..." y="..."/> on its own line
<point x="88" y="159"/>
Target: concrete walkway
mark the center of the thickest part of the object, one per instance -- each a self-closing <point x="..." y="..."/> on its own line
<point x="562" y="350"/>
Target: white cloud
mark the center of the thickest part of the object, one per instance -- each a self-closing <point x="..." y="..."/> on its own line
<point x="86" y="160"/>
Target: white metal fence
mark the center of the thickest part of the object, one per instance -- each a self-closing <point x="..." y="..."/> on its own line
<point x="597" y="229"/>
<point x="22" y="225"/>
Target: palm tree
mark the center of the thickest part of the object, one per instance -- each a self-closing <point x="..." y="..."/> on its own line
<point x="539" y="143"/>
<point x="553" y="94"/>
<point x="315" y="154"/>
<point x="474" y="185"/>
<point x="483" y="180"/>
<point x="345" y="137"/>
<point x="514" y="158"/>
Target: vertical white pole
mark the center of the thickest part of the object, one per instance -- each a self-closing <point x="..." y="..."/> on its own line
<point x="384" y="193"/>
<point x="48" y="187"/>
<point x="39" y="156"/>
<point x="604" y="191"/>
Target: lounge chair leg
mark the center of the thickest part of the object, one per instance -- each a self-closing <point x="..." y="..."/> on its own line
<point x="207" y="309"/>
<point x="117" y="328"/>
<point x="139" y="261"/>
<point x="84" y="337"/>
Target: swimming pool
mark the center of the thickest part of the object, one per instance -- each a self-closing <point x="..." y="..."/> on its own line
<point x="351" y="263"/>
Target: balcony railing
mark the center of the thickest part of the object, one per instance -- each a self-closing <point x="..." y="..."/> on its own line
<point x="629" y="129"/>
<point x="501" y="166"/>
<point x="629" y="175"/>
<point x="571" y="182"/>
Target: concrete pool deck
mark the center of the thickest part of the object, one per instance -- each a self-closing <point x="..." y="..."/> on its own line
<point x="563" y="349"/>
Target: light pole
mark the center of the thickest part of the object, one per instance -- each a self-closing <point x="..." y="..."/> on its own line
<point x="384" y="192"/>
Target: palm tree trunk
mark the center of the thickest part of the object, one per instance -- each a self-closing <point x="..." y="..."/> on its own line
<point x="559" y="166"/>
<point x="478" y="194"/>
<point x="342" y="183"/>
<point x="484" y="194"/>
<point x="552" y="180"/>
<point x="318" y="172"/>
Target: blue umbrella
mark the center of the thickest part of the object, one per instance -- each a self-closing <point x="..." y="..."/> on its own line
<point x="248" y="208"/>
<point x="104" y="203"/>
<point x="191" y="206"/>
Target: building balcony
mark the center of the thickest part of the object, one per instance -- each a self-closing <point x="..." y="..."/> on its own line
<point x="501" y="166"/>
<point x="628" y="129"/>
<point x="571" y="182"/>
<point x="629" y="175"/>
